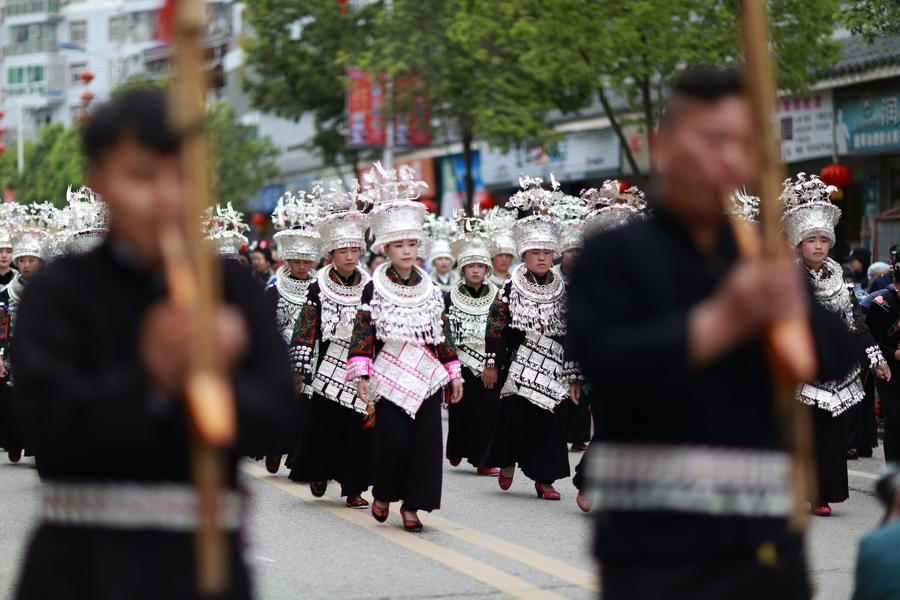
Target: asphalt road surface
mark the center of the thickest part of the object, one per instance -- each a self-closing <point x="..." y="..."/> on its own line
<point x="483" y="543"/>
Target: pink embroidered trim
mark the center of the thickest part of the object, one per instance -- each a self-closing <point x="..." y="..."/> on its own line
<point x="454" y="369"/>
<point x="358" y="366"/>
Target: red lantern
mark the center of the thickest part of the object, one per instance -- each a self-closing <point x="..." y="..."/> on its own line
<point x="259" y="220"/>
<point x="836" y="174"/>
<point x="2" y="131"/>
<point x="87" y="96"/>
<point x="2" y="114"/>
<point x="86" y="77"/>
<point x="430" y="206"/>
<point x="624" y="186"/>
<point x="2" y="148"/>
<point x="487" y="203"/>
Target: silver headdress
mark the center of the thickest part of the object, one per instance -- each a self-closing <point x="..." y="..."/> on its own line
<point x="570" y="212"/>
<point x="224" y="229"/>
<point x="440" y="231"/>
<point x="10" y="214"/>
<point x="540" y="231"/>
<point x="32" y="228"/>
<point x="86" y="217"/>
<point x="345" y="227"/>
<point x="499" y="222"/>
<point x="612" y="207"/>
<point x="808" y="210"/>
<point x="473" y="245"/>
<point x="744" y="207"/>
<point x="396" y="215"/>
<point x="296" y="218"/>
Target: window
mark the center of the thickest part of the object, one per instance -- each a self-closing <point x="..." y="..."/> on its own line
<point x="118" y="27"/>
<point x="75" y="71"/>
<point x="78" y="32"/>
<point x="15" y="75"/>
<point x="35" y="74"/>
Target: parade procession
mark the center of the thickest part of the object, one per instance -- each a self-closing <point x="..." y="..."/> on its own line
<point x="669" y="376"/>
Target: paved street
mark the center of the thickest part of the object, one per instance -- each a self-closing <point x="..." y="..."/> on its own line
<point x="482" y="543"/>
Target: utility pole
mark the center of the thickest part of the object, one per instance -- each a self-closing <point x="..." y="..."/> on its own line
<point x="20" y="138"/>
<point x="388" y="157"/>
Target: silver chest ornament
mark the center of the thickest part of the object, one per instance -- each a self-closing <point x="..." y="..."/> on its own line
<point x="467" y="318"/>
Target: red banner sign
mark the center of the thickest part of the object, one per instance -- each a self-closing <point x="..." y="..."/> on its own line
<point x="366" y="112"/>
<point x="365" y="109"/>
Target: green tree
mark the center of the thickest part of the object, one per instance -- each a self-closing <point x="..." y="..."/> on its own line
<point x="296" y="64"/>
<point x="240" y="161"/>
<point x="634" y="48"/>
<point x="870" y="18"/>
<point x="52" y="163"/>
<point x="470" y="70"/>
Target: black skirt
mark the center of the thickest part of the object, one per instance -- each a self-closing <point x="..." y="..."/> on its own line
<point x="333" y="445"/>
<point x="81" y="563"/>
<point x="578" y="422"/>
<point x="407" y="454"/>
<point x="832" y="440"/>
<point x="531" y="437"/>
<point x="470" y="422"/>
<point x="11" y="437"/>
<point x="593" y="408"/>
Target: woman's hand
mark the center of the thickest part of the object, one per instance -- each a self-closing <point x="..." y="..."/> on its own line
<point x="882" y="371"/>
<point x="456" y="391"/>
<point x="575" y="393"/>
<point x="362" y="390"/>
<point x="489" y="377"/>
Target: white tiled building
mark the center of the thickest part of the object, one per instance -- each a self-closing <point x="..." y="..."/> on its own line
<point x="48" y="44"/>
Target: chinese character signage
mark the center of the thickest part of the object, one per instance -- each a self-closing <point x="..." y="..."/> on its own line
<point x="867" y="122"/>
<point x="365" y="109"/>
<point x="807" y="126"/>
<point x="577" y="156"/>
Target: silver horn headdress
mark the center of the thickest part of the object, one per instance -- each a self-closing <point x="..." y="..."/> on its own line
<point x="612" y="207"/>
<point x="296" y="218"/>
<point x="224" y="229"/>
<point x="808" y="210"/>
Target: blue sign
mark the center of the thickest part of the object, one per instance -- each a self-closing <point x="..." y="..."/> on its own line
<point x="867" y="122"/>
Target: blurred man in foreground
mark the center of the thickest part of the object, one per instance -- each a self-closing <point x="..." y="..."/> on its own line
<point x="689" y="470"/>
<point x="100" y="366"/>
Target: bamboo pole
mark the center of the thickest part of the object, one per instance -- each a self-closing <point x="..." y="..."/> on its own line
<point x="194" y="283"/>
<point x="790" y="345"/>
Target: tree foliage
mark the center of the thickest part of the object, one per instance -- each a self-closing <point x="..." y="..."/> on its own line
<point x="870" y="18"/>
<point x="240" y="162"/>
<point x="297" y="64"/>
<point x="52" y="163"/>
<point x="470" y="71"/>
<point x="634" y="49"/>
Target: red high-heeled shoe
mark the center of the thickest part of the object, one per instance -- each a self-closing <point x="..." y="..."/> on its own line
<point x="412" y="525"/>
<point x="582" y="503"/>
<point x="454" y="462"/>
<point x="488" y="471"/>
<point x="380" y="514"/>
<point x="357" y="502"/>
<point x="821" y="510"/>
<point x="550" y="494"/>
<point x="503" y="481"/>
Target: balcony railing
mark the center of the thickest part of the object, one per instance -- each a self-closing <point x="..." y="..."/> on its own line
<point x="15" y="8"/>
<point x="30" y="47"/>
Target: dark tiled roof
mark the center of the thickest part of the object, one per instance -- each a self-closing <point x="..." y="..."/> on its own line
<point x="858" y="55"/>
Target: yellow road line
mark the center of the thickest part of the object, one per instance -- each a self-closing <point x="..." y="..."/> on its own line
<point x="526" y="556"/>
<point x="491" y="576"/>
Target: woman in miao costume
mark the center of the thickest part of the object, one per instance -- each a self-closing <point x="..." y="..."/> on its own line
<point x="401" y="355"/>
